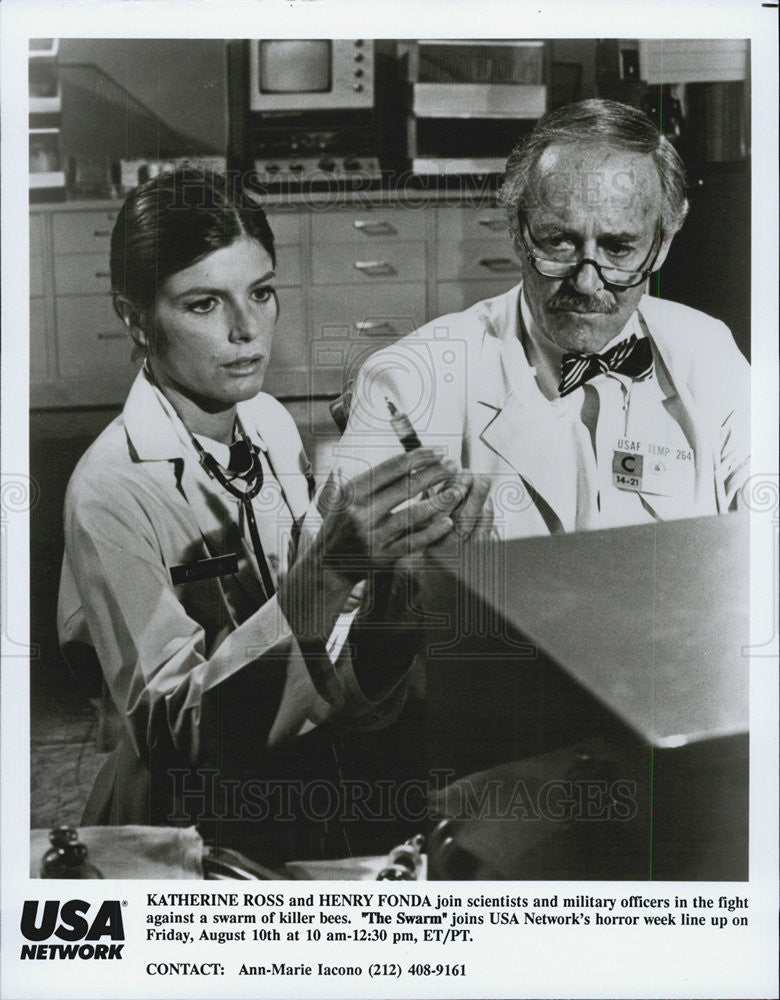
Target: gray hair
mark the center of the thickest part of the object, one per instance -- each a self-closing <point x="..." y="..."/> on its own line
<point x="616" y="124"/>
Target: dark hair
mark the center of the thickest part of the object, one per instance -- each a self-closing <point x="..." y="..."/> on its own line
<point x="175" y="220"/>
<point x="595" y="120"/>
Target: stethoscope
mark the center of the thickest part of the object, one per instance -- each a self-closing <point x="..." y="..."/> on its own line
<point x="245" y="468"/>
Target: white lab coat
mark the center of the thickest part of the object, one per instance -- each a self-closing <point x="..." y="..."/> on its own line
<point x="201" y="676"/>
<point x="466" y="385"/>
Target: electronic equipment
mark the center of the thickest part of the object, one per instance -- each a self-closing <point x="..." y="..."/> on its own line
<point x="46" y="172"/>
<point x="314" y="111"/>
<point x="336" y="147"/>
<point x="309" y="74"/>
<point x="471" y="101"/>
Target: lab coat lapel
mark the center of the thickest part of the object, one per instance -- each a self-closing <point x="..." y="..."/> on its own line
<point x="527" y="431"/>
<point x="518" y="424"/>
<point x="680" y="405"/>
<point x="283" y="449"/>
<point x="159" y="438"/>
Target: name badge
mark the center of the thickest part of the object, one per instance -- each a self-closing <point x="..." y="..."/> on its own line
<point x="204" y="569"/>
<point x="627" y="470"/>
<point x="650" y="467"/>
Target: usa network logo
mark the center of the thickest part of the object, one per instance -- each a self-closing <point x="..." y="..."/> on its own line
<point x="72" y="922"/>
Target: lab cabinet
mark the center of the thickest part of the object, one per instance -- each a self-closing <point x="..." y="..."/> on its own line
<point x="478" y="259"/>
<point x="343" y="264"/>
<point x="471" y="222"/>
<point x="79" y="350"/>
<point x="39" y="339"/>
<point x="348" y="323"/>
<point x="364" y="226"/>
<point x="81" y="232"/>
<point x="37" y="255"/>
<point x="351" y="279"/>
<point x="91" y="341"/>
<point x="474" y="257"/>
<point x="80" y="353"/>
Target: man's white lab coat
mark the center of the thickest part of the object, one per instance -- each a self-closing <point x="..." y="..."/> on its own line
<point x="466" y="385"/>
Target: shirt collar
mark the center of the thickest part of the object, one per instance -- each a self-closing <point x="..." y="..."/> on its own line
<point x="155" y="430"/>
<point x="220" y="451"/>
<point x="545" y="357"/>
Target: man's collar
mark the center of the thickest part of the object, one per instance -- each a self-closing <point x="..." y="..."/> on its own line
<point x="545" y="356"/>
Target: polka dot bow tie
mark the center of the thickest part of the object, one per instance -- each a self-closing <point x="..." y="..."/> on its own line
<point x="632" y="357"/>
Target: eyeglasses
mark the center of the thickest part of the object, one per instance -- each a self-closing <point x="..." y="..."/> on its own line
<point x="620" y="276"/>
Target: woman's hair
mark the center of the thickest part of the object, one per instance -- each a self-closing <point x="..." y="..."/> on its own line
<point x="596" y="120"/>
<point x="175" y="220"/>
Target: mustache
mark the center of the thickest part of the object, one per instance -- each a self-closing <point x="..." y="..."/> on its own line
<point x="567" y="301"/>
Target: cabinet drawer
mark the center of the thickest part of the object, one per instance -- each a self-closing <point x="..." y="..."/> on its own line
<point x="360" y="312"/>
<point x="286" y="227"/>
<point x="478" y="259"/>
<point x="91" y="342"/>
<point x="83" y="273"/>
<point x="351" y="322"/>
<point x="366" y="226"/>
<point x="39" y="368"/>
<point x="455" y="224"/>
<point x="337" y="263"/>
<point x="288" y="266"/>
<point x="37" y="255"/>
<point x="88" y="232"/>
<point x="89" y="274"/>
<point x="453" y="296"/>
<point x="83" y="232"/>
<point x="289" y="350"/>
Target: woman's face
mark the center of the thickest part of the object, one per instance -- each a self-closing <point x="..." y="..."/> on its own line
<point x="214" y="324"/>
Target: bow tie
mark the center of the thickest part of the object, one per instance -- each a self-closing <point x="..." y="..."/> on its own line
<point x="630" y="357"/>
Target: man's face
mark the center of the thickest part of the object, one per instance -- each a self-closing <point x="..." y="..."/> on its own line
<point x="590" y="200"/>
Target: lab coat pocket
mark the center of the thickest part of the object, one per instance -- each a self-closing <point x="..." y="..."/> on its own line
<point x="212" y="603"/>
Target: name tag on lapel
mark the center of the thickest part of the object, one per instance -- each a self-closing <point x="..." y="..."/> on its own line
<point x="627" y="469"/>
<point x="204" y="569"/>
<point x="656" y="468"/>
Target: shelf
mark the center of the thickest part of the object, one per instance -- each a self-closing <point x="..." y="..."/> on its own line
<point x="477" y="100"/>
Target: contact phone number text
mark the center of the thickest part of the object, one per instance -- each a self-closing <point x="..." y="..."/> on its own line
<point x="416" y="969"/>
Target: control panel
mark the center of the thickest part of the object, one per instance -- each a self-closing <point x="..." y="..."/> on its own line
<point x="304" y="150"/>
<point x="316" y="138"/>
<point x="310" y="169"/>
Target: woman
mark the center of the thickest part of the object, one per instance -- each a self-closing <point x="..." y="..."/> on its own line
<point x="221" y="629"/>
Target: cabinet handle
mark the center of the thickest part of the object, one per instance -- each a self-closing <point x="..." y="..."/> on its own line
<point x="375" y="267"/>
<point x="102" y="274"/>
<point x="374" y="327"/>
<point x="500" y="265"/>
<point x="101" y="232"/>
<point x="112" y="336"/>
<point x="375" y="227"/>
<point x="494" y="225"/>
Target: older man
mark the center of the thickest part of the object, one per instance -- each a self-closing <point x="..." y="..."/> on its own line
<point x="585" y="401"/>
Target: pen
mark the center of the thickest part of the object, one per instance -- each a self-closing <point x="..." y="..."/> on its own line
<point x="402" y="426"/>
<point x="407" y="435"/>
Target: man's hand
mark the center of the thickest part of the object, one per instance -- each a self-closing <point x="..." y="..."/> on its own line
<point x="376" y="527"/>
<point x="388" y="512"/>
<point x="473" y="517"/>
